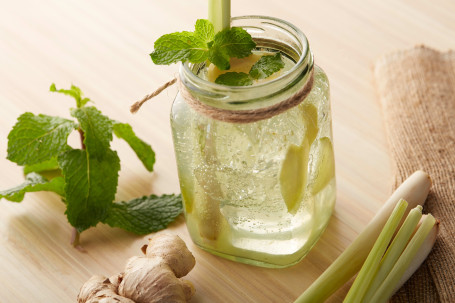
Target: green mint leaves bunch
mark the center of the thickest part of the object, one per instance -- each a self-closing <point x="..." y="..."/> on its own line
<point x="204" y="45"/>
<point x="85" y="178"/>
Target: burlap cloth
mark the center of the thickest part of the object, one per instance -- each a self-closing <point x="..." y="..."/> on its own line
<point x="417" y="92"/>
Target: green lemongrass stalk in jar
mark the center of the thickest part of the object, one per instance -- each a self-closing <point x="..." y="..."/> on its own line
<point x="211" y="219"/>
<point x="220" y="14"/>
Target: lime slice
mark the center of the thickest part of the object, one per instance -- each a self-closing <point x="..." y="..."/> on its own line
<point x="310" y="114"/>
<point x="293" y="175"/>
<point x="323" y="166"/>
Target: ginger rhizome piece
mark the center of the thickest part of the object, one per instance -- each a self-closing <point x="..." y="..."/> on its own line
<point x="99" y="289"/>
<point x="153" y="278"/>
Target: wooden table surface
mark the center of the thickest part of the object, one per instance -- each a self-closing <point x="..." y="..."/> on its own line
<point x="103" y="46"/>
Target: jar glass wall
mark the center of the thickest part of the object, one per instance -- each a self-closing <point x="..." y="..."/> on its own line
<point x="261" y="192"/>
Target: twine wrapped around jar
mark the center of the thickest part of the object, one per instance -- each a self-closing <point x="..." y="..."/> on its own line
<point x="233" y="116"/>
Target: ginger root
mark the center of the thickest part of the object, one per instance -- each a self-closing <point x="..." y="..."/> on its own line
<point x="99" y="289"/>
<point x="153" y="278"/>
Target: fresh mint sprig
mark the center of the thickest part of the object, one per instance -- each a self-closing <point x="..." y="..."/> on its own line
<point x="203" y="44"/>
<point x="263" y="68"/>
<point x="85" y="178"/>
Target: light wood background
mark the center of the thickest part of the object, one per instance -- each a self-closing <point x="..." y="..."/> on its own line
<point x="103" y="46"/>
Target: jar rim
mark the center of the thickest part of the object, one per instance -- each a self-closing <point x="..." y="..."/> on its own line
<point x="304" y="64"/>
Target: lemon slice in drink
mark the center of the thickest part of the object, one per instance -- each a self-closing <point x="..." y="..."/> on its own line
<point x="323" y="166"/>
<point x="188" y="198"/>
<point x="237" y="65"/>
<point x="310" y="115"/>
<point x="293" y="175"/>
<point x="242" y="65"/>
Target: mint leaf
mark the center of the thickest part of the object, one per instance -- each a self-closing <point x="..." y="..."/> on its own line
<point x="47" y="165"/>
<point x="204" y="30"/>
<point x="175" y="47"/>
<point x="90" y="185"/>
<point x="35" y="139"/>
<point x="228" y="43"/>
<point x="97" y="129"/>
<point x="33" y="182"/>
<point x="74" y="92"/>
<point x="234" y="79"/>
<point x="184" y="46"/>
<point x="145" y="215"/>
<point x="220" y="59"/>
<point x="143" y="150"/>
<point x="266" y="66"/>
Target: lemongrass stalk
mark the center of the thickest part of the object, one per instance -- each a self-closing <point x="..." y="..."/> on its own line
<point x="385" y="291"/>
<point x="414" y="190"/>
<point x="211" y="219"/>
<point x="371" y="265"/>
<point x="394" y="251"/>
<point x="220" y="14"/>
<point x="422" y="254"/>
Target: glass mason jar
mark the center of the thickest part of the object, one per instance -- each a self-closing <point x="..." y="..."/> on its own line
<point x="261" y="192"/>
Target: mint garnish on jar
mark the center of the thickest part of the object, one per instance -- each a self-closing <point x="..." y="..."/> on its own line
<point x="203" y="45"/>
